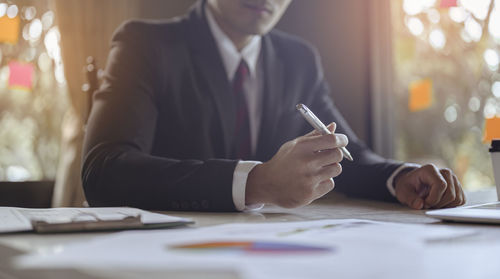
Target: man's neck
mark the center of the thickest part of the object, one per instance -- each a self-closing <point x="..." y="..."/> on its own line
<point x="239" y="40"/>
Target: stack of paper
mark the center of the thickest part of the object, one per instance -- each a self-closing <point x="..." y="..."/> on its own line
<point x="346" y="248"/>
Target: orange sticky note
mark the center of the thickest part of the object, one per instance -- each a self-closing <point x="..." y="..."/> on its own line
<point x="448" y="3"/>
<point x="420" y="95"/>
<point x="20" y="75"/>
<point x="9" y="29"/>
<point x="491" y="129"/>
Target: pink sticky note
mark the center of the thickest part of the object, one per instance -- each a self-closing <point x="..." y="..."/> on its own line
<point x="21" y="75"/>
<point x="448" y="3"/>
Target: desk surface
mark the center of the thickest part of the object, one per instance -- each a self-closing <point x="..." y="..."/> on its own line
<point x="332" y="207"/>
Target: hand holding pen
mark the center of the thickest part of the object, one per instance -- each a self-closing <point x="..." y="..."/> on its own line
<point x="300" y="172"/>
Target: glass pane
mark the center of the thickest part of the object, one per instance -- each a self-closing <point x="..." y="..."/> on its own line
<point x="33" y="92"/>
<point x="447" y="81"/>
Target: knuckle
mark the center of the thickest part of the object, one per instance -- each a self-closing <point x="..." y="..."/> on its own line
<point x="337" y="154"/>
<point x="310" y="166"/>
<point x="298" y="141"/>
<point x="307" y="166"/>
<point x="302" y="140"/>
<point x="429" y="167"/>
<point x="339" y="168"/>
<point x="441" y="185"/>
<point x="290" y="144"/>
<point x="446" y="171"/>
<point x="331" y="138"/>
<point x="336" y="169"/>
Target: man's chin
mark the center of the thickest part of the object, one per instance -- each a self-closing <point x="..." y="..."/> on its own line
<point x="257" y="30"/>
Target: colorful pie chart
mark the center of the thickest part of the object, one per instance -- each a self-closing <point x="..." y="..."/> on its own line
<point x="251" y="247"/>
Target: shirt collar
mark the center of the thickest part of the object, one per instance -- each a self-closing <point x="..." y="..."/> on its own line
<point x="231" y="57"/>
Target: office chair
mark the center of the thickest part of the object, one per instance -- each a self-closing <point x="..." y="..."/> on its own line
<point x="93" y="82"/>
<point x="32" y="194"/>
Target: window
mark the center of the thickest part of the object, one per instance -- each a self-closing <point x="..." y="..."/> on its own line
<point x="447" y="84"/>
<point x="33" y="93"/>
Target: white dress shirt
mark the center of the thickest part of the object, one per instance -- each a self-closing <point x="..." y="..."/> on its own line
<point x="253" y="85"/>
<point x="253" y="90"/>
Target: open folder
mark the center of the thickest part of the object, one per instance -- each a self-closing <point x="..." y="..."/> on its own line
<point x="58" y="220"/>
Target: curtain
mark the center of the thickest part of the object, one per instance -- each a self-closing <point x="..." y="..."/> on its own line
<point x="86" y="28"/>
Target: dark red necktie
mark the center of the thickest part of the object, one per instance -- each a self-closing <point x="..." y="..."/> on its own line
<point x="243" y="147"/>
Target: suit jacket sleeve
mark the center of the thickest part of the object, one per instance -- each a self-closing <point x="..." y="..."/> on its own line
<point x="118" y="168"/>
<point x="367" y="176"/>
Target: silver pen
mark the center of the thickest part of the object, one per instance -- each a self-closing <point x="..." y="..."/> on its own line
<point x="319" y="126"/>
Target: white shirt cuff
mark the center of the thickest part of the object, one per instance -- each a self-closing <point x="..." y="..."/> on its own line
<point x="390" y="181"/>
<point x="240" y="176"/>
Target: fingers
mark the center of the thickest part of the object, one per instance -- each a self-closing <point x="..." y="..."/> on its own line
<point x="459" y="194"/>
<point x="410" y="196"/>
<point x="327" y="157"/>
<point x="329" y="171"/>
<point x="314" y="141"/>
<point x="321" y="142"/>
<point x="450" y="194"/>
<point x="331" y="127"/>
<point x="459" y="191"/>
<point x="453" y="194"/>
<point x="429" y="187"/>
<point x="324" y="188"/>
<point x="430" y="175"/>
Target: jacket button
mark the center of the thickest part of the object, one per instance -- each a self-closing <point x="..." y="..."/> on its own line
<point x="175" y="205"/>
<point x="205" y="204"/>
<point x="184" y="205"/>
<point x="195" y="205"/>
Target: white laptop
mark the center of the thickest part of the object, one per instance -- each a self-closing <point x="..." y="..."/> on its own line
<point x="482" y="213"/>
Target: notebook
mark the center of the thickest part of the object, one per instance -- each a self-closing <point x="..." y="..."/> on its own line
<point x="59" y="220"/>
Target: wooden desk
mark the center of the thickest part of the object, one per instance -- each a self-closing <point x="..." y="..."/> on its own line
<point x="471" y="265"/>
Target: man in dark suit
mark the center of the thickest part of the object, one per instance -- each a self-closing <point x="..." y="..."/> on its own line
<point x="198" y="113"/>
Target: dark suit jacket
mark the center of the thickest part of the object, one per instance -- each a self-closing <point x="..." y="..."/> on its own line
<point x="160" y="133"/>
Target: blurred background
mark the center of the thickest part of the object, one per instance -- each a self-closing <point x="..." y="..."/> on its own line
<point x="418" y="80"/>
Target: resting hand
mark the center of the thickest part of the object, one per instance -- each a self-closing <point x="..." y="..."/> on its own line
<point x="429" y="187"/>
<point x="299" y="172"/>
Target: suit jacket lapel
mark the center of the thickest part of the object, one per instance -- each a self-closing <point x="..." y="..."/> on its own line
<point x="272" y="98"/>
<point x="208" y="64"/>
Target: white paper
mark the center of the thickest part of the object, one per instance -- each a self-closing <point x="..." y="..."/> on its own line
<point x="358" y="248"/>
<point x="14" y="219"/>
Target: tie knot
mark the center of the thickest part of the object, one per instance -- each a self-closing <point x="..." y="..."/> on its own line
<point x="242" y="71"/>
<point x="240" y="76"/>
